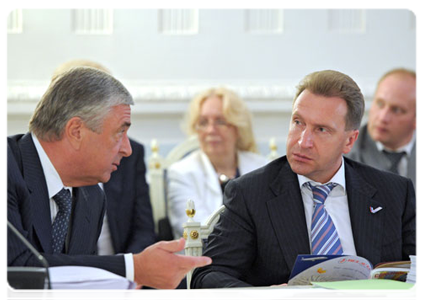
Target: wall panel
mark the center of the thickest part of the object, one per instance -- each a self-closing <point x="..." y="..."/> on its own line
<point x="166" y="56"/>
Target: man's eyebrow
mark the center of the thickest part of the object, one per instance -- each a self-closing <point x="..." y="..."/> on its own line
<point x="296" y="114"/>
<point x="317" y="125"/>
<point x="329" y="127"/>
<point x="126" y="124"/>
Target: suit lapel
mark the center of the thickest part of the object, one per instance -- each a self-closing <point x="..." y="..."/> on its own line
<point x="36" y="183"/>
<point x="286" y="212"/>
<point x="367" y="227"/>
<point x="80" y="238"/>
<point x="372" y="156"/>
<point x="111" y="189"/>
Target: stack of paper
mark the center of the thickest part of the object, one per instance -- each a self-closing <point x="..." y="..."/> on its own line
<point x="395" y="270"/>
<point x="411" y="276"/>
<point x="74" y="277"/>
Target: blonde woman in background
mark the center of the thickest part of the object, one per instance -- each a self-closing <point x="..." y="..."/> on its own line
<point x="228" y="150"/>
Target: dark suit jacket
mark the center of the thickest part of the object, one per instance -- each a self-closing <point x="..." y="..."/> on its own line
<point x="366" y="152"/>
<point x="263" y="228"/>
<point x="28" y="209"/>
<point x="129" y="213"/>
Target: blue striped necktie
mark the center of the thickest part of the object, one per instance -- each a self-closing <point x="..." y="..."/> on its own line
<point x="63" y="200"/>
<point x="324" y="237"/>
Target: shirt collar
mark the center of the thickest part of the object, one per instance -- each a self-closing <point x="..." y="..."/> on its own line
<point x="53" y="180"/>
<point x="406" y="148"/>
<point x="338" y="178"/>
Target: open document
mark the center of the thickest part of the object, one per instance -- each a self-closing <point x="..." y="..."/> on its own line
<point x="329" y="268"/>
<point x="75" y="277"/>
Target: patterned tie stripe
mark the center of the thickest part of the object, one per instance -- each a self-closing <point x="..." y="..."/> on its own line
<point x="324" y="237"/>
<point x="60" y="225"/>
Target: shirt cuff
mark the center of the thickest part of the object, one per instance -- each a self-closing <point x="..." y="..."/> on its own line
<point x="129" y="266"/>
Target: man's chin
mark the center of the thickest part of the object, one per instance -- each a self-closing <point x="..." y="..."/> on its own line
<point x="106" y="178"/>
<point x="300" y="168"/>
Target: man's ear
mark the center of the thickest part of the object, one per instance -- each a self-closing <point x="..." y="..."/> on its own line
<point x="74" y="132"/>
<point x="352" y="136"/>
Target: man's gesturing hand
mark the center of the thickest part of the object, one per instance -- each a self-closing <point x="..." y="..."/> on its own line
<point x="158" y="266"/>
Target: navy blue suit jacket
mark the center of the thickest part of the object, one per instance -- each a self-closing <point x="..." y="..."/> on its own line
<point x="129" y="212"/>
<point x="263" y="228"/>
<point x="28" y="209"/>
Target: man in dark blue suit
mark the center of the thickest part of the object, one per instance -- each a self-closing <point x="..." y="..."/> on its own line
<point x="311" y="201"/>
<point x="126" y="192"/>
<point x="77" y="138"/>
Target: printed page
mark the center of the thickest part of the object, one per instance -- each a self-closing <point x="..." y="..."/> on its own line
<point x="330" y="268"/>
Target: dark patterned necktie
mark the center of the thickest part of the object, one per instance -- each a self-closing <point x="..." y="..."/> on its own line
<point x="394" y="158"/>
<point x="60" y="225"/>
<point x="324" y="237"/>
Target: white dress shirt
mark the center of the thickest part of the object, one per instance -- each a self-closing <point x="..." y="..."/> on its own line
<point x="403" y="163"/>
<point x="336" y="205"/>
<point x="55" y="184"/>
<point x="53" y="180"/>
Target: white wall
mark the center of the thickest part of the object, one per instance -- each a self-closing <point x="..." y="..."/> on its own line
<point x="165" y="56"/>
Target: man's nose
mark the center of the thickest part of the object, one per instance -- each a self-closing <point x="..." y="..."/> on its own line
<point x="306" y="139"/>
<point x="385" y="114"/>
<point x="126" y="148"/>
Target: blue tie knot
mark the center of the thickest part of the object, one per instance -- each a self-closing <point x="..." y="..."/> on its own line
<point x="63" y="200"/>
<point x="321" y="192"/>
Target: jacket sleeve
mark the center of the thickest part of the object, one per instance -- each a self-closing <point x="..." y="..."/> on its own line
<point x="233" y="235"/>
<point x="409" y="223"/>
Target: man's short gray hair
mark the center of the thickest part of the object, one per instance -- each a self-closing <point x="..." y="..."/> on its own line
<point x="83" y="92"/>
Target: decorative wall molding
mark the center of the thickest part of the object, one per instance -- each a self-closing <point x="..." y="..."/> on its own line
<point x="15" y="22"/>
<point x="172" y="97"/>
<point x="264" y="21"/>
<point x="178" y="21"/>
<point x="347" y="20"/>
<point x="92" y="21"/>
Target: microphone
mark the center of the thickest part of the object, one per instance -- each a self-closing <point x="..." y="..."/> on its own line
<point x="34" y="251"/>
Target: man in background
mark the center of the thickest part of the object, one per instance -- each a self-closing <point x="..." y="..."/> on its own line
<point x="388" y="140"/>
<point x="77" y="138"/>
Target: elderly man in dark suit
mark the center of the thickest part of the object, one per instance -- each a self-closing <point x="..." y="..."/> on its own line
<point x="311" y="201"/>
<point x="126" y="192"/>
<point x="388" y="140"/>
<point x="77" y="138"/>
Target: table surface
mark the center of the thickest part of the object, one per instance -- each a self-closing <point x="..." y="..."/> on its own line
<point x="212" y="294"/>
